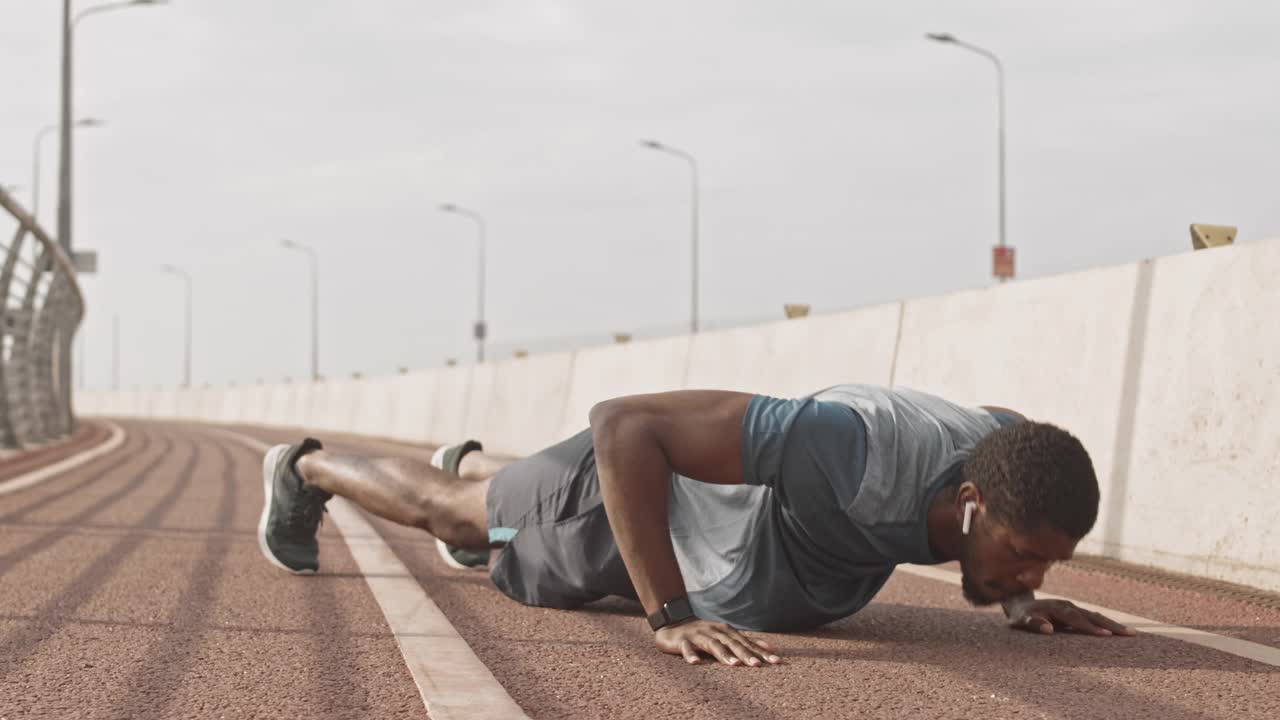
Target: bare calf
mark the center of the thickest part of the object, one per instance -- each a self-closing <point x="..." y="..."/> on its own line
<point x="408" y="492"/>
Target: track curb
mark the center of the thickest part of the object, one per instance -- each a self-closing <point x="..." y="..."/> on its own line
<point x="34" y="477"/>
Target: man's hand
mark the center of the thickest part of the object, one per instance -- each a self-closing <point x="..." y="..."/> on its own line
<point x="1046" y="616"/>
<point x="724" y="643"/>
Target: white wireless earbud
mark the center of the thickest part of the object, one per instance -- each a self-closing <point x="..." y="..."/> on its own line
<point x="969" y="507"/>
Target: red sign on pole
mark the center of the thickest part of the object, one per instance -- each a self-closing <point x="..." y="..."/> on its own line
<point x="1002" y="262"/>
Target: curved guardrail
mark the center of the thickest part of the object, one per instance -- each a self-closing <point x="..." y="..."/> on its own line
<point x="41" y="306"/>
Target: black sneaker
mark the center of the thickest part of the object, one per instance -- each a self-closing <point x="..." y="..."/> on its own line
<point x="448" y="458"/>
<point x="291" y="510"/>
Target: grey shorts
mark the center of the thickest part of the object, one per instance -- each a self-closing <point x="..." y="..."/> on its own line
<point x="562" y="553"/>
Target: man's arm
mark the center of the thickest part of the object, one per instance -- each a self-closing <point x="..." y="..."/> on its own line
<point x="640" y="441"/>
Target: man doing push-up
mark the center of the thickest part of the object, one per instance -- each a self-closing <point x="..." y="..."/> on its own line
<point x="725" y="512"/>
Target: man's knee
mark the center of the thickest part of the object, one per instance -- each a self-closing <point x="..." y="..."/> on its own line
<point x="453" y="514"/>
<point x="477" y="466"/>
<point x="424" y="510"/>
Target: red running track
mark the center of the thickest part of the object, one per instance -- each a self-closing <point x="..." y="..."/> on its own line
<point x="132" y="586"/>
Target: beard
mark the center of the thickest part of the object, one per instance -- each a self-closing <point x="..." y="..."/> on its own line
<point x="973" y="592"/>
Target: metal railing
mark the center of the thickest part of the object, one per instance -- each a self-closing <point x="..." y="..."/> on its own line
<point x="40" y="309"/>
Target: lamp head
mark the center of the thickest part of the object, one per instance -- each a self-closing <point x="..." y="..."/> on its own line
<point x="654" y="144"/>
<point x="90" y="122"/>
<point x="448" y="207"/>
<point x="941" y="37"/>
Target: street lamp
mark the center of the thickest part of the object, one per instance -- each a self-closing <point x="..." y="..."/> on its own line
<point x="186" y="365"/>
<point x="35" y="162"/>
<point x="480" y="329"/>
<point x="949" y="39"/>
<point x="693" y="167"/>
<point x="315" y="303"/>
<point x="64" y="154"/>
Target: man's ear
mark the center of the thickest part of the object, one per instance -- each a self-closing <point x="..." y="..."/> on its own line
<point x="968" y="502"/>
<point x="968" y="492"/>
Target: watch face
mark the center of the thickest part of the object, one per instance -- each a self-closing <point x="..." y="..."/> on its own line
<point x="675" y="611"/>
<point x="678" y="609"/>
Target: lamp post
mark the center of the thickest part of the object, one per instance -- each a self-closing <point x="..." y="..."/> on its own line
<point x="315" y="303"/>
<point x="69" y="22"/>
<point x="480" y="329"/>
<point x="186" y="364"/>
<point x="35" y="161"/>
<point x="693" y="167"/>
<point x="949" y="39"/>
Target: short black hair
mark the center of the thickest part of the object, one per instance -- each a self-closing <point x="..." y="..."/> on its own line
<point x="1031" y="473"/>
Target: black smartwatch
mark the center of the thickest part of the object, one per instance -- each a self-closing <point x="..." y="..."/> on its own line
<point x="671" y="613"/>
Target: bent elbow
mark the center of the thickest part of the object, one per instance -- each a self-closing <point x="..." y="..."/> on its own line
<point x="608" y="413"/>
<point x="601" y="413"/>
<point x="615" y="417"/>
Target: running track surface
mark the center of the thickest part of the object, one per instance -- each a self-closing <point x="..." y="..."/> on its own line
<point x="132" y="587"/>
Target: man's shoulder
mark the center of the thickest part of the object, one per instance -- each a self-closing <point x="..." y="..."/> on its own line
<point x="1004" y="416"/>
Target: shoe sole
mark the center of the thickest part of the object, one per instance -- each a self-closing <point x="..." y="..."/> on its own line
<point x="437" y="461"/>
<point x="269" y="461"/>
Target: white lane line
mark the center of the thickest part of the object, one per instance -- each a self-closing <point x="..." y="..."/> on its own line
<point x="1234" y="646"/>
<point x="26" y="480"/>
<point x="452" y="681"/>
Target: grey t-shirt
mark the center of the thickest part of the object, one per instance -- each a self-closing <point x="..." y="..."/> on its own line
<point x="836" y="493"/>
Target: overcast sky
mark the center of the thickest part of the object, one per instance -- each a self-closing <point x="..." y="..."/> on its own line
<point x="845" y="160"/>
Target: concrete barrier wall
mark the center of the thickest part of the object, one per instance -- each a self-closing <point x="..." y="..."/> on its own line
<point x="253" y="407"/>
<point x="793" y="358"/>
<point x="477" y="403"/>
<point x="1047" y="349"/>
<point x="279" y="410"/>
<point x="178" y="403"/>
<point x="525" y="403"/>
<point x="125" y="402"/>
<point x="375" y="409"/>
<point x="449" y="404"/>
<point x="230" y="403"/>
<point x="411" y="416"/>
<point x="1200" y="426"/>
<point x="299" y="414"/>
<point x="342" y="410"/>
<point x="1168" y="371"/>
<point x="322" y="394"/>
<point x="612" y="371"/>
<point x="91" y="402"/>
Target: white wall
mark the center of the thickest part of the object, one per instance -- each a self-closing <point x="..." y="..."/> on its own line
<point x="791" y="358"/>
<point x="1053" y="350"/>
<point x="410" y="420"/>
<point x="449" y="406"/>
<point x="1203" y="462"/>
<point x="1168" y="371"/>
<point x="526" y="404"/>
<point x="615" y="370"/>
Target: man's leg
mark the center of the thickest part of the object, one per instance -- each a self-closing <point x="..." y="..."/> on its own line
<point x="468" y="462"/>
<point x="405" y="491"/>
